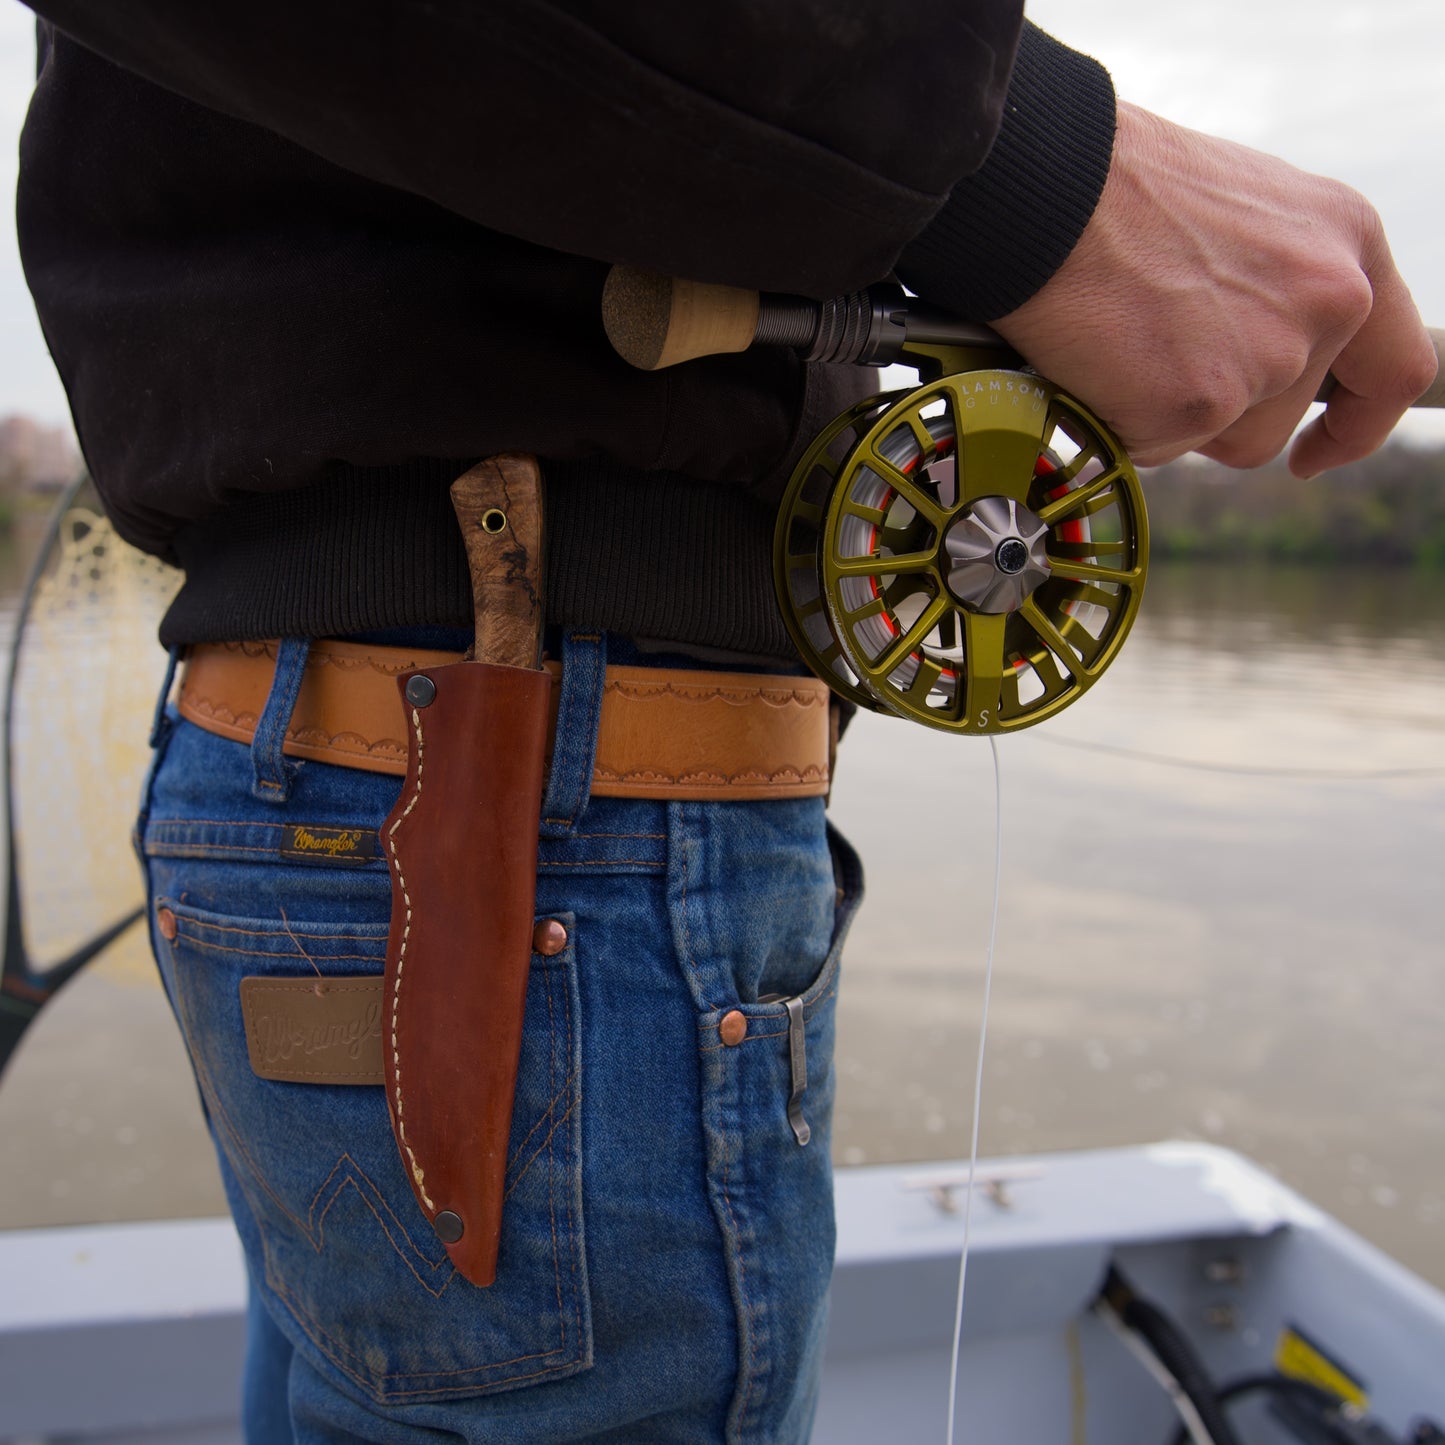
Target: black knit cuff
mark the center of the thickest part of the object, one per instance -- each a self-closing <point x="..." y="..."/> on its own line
<point x="1009" y="226"/>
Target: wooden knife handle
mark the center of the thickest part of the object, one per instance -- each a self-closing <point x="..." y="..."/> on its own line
<point x="499" y="506"/>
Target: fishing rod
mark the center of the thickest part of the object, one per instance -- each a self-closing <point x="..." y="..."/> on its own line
<point x="968" y="553"/>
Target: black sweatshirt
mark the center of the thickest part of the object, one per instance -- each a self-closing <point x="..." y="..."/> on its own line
<point x="299" y="264"/>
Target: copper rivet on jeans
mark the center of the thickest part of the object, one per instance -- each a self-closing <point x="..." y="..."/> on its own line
<point x="733" y="1028"/>
<point x="448" y="1226"/>
<point x="549" y="937"/>
<point x="166" y="922"/>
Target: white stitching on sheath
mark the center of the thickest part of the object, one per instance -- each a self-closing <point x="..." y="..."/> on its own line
<point x="416" y="1168"/>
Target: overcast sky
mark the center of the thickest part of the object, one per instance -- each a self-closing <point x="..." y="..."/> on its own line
<point x="1352" y="90"/>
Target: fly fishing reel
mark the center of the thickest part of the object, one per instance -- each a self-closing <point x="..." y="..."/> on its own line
<point x="970" y="553"/>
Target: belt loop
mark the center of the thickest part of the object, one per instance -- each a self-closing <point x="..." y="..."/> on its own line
<point x="569" y="779"/>
<point x="272" y="771"/>
<point x="160" y="722"/>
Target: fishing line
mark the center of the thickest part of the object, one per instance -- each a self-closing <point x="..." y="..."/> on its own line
<point x="977" y="1087"/>
<point x="1247" y="770"/>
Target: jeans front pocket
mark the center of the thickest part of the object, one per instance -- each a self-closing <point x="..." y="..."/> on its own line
<point x="334" y="1237"/>
<point x="768" y="1088"/>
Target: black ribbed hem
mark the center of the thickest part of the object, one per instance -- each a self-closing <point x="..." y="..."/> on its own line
<point x="1037" y="189"/>
<point x="367" y="549"/>
<point x="645" y="554"/>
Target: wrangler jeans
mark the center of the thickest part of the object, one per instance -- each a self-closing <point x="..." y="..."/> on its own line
<point x="667" y="1239"/>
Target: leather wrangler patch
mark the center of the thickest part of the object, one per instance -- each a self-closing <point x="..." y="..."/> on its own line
<point x="314" y="1030"/>
<point x="330" y="845"/>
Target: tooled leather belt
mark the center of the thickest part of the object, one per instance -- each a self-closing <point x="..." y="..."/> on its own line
<point x="662" y="732"/>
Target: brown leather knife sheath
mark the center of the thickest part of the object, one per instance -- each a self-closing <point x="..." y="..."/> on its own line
<point x="462" y="847"/>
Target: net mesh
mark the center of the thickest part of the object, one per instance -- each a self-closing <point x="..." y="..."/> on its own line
<point x="87" y="671"/>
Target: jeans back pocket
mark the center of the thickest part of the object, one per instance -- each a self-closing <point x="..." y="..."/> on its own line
<point x="332" y="1231"/>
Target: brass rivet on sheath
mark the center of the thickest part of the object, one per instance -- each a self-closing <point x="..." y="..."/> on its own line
<point x="494" y="520"/>
<point x="448" y="1226"/>
<point x="733" y="1028"/>
<point x="549" y="938"/>
<point x="421" y="691"/>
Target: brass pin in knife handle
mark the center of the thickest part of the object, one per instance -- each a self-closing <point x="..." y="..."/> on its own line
<point x="655" y="322"/>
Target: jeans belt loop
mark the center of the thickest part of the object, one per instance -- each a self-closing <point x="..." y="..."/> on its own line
<point x="273" y="773"/>
<point x="569" y="778"/>
<point x="161" y="719"/>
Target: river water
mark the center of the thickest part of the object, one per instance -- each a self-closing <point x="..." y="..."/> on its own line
<point x="1220" y="918"/>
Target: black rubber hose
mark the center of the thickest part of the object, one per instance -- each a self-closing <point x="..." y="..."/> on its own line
<point x="1300" y="1390"/>
<point x="1175" y="1353"/>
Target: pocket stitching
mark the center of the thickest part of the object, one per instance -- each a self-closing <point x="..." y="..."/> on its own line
<point x="313" y="1229"/>
<point x="810" y="1012"/>
<point x="288" y="932"/>
<point x="551" y="1133"/>
<point x="318" y="1238"/>
<point x="369" y="1380"/>
<point x="315" y="1236"/>
<point x="653" y="863"/>
<point x="556" y="1093"/>
<point x="201" y="943"/>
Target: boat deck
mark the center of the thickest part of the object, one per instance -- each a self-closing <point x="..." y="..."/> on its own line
<point x="132" y="1333"/>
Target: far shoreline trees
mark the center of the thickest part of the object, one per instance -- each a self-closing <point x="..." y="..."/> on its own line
<point x="1388" y="510"/>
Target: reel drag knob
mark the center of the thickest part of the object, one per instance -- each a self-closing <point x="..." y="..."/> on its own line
<point x="996" y="555"/>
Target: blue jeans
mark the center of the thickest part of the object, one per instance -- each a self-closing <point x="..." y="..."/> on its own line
<point x="667" y="1240"/>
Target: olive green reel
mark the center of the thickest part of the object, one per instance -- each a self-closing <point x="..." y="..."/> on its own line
<point x="969" y="554"/>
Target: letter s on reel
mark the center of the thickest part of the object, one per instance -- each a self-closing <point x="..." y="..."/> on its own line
<point x="970" y="553"/>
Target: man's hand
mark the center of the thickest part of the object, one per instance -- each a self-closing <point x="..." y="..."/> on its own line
<point x="1211" y="294"/>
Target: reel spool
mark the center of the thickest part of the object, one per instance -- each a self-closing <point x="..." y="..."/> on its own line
<point x="969" y="554"/>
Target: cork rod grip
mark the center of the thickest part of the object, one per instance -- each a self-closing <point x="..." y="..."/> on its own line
<point x="655" y="321"/>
